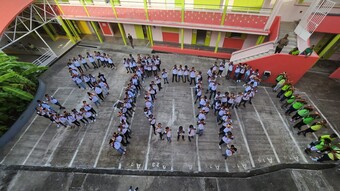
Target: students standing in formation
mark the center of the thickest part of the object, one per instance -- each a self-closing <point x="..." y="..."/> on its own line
<point x="302" y="115"/>
<point x="121" y="137"/>
<point x="85" y="114"/>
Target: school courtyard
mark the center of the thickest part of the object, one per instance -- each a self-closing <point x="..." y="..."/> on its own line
<point x="81" y="158"/>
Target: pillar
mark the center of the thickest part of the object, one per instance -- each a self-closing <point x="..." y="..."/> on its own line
<point x="329" y="45"/>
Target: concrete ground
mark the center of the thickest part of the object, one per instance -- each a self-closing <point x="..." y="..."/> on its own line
<point x="263" y="135"/>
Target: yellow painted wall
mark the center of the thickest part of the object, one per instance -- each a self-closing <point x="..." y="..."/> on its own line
<point x="245" y="5"/>
<point x="208" y="4"/>
<point x="83" y="27"/>
<point x="139" y="32"/>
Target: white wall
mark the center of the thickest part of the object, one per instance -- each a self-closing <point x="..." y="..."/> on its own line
<point x="157" y="33"/>
<point x="130" y="29"/>
<point x="187" y="36"/>
<point x="162" y="3"/>
<point x="132" y="3"/>
<point x="289" y="12"/>
<point x="213" y="39"/>
<point x="250" y="41"/>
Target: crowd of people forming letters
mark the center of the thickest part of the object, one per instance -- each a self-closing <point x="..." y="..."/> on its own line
<point x="208" y="99"/>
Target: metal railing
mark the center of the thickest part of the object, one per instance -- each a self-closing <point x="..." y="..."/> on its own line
<point x="45" y="59"/>
<point x="252" y="51"/>
<point x="169" y="6"/>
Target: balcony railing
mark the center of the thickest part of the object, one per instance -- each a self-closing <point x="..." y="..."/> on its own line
<point x="250" y="20"/>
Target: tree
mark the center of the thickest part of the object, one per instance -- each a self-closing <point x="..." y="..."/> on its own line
<point x="18" y="84"/>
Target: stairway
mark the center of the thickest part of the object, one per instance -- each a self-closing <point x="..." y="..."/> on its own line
<point x="268" y="48"/>
<point x="288" y="28"/>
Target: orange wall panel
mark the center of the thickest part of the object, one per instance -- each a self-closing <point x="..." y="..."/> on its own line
<point x="335" y="74"/>
<point x="170" y="37"/>
<point x="233" y="43"/>
<point x="295" y="66"/>
<point x="330" y="24"/>
<point x="106" y="29"/>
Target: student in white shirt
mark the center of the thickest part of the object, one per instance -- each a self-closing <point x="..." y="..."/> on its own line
<point x="158" y="82"/>
<point x="93" y="97"/>
<point x="229" y="71"/>
<point x="231" y="101"/>
<point x="180" y="73"/>
<point x="174" y="74"/>
<point x="77" y="64"/>
<point x="126" y="65"/>
<point x="221" y="69"/>
<point x="200" y="127"/>
<point x="226" y="139"/>
<point x="84" y="62"/>
<point x="87" y="80"/>
<point x="99" y="92"/>
<point x="165" y="76"/>
<point x="168" y="134"/>
<point x="117" y="145"/>
<point x="198" y="94"/>
<point x="180" y="133"/>
<point x="54" y="101"/>
<point x="80" y="82"/>
<point x="159" y="130"/>
<point x="191" y="132"/>
<point x="91" y="60"/>
<point x="186" y="74"/>
<point x="88" y="107"/>
<point x="152" y="121"/>
<point x="245" y="98"/>
<point x="192" y="76"/>
<point x="230" y="151"/>
<point x="237" y="100"/>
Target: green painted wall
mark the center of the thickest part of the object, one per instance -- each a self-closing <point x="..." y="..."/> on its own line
<point x="194" y="37"/>
<point x="178" y="3"/>
<point x="207" y="38"/>
<point x="139" y="32"/>
<point x="323" y="42"/>
<point x="89" y="2"/>
<point x="208" y="4"/>
<point x="246" y="5"/>
<point x="170" y="29"/>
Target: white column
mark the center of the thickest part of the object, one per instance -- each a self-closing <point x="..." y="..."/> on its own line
<point x="273" y="14"/>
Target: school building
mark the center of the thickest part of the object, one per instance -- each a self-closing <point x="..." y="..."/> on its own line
<point x="242" y="31"/>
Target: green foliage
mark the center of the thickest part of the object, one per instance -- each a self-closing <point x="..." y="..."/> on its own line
<point x="18" y="82"/>
<point x="18" y="93"/>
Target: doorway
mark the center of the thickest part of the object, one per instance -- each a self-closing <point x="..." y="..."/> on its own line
<point x="201" y="35"/>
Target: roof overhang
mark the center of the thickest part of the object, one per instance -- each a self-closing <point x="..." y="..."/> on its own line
<point x="9" y="9"/>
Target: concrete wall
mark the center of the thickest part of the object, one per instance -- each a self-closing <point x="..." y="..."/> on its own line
<point x="290" y="12"/>
<point x="250" y="41"/>
<point x="130" y="29"/>
<point x="315" y="38"/>
<point x="157" y="33"/>
<point x="213" y="39"/>
<point x="187" y="36"/>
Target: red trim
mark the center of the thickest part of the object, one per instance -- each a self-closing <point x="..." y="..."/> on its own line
<point x="190" y="51"/>
<point x="234" y="43"/>
<point x="274" y="29"/>
<point x="335" y="74"/>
